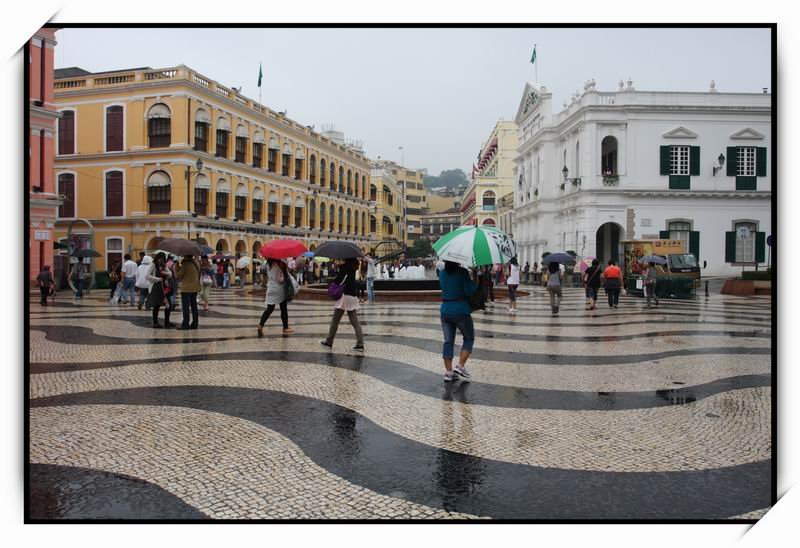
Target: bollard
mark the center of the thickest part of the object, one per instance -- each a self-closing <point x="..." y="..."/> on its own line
<point x="706" y="289"/>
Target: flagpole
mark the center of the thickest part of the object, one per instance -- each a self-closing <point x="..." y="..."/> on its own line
<point x="536" y="65"/>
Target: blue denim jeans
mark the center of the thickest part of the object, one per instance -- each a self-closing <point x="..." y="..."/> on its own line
<point x="449" y="326"/>
<point x="591" y="293"/>
<point x="371" y="289"/>
<point x="129" y="289"/>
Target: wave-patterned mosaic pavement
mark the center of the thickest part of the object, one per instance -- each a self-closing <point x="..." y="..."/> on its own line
<point x="611" y="414"/>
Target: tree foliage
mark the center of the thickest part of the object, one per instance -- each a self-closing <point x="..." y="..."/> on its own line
<point x="420" y="248"/>
<point x="450" y="178"/>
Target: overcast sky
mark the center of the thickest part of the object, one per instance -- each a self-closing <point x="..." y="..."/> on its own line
<point x="436" y="92"/>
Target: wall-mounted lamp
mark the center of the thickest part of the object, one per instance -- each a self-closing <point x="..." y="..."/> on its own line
<point x="574" y="180"/>
<point x="720" y="163"/>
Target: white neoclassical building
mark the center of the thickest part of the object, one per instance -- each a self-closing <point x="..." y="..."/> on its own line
<point x="627" y="164"/>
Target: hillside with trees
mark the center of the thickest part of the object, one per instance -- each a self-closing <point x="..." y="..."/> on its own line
<point x="451" y="178"/>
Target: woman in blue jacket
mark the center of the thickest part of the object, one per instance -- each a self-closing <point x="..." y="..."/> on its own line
<point x="457" y="287"/>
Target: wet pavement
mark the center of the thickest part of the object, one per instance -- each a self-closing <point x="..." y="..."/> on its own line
<point x="622" y="413"/>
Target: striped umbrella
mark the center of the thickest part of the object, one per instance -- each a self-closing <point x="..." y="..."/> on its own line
<point x="476" y="246"/>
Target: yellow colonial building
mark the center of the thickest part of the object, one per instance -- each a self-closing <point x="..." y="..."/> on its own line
<point x="415" y="197"/>
<point x="145" y="154"/>
<point x="492" y="177"/>
<point x="386" y="206"/>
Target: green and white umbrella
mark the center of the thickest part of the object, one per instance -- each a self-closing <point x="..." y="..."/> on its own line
<point x="476" y="246"/>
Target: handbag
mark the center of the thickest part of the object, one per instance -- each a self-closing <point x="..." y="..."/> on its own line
<point x="477" y="300"/>
<point x="206" y="280"/>
<point x="335" y="291"/>
<point x="290" y="286"/>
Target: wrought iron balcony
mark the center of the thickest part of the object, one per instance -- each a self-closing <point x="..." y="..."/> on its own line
<point x="610" y="180"/>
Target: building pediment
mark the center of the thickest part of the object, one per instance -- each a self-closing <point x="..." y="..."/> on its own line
<point x="531" y="99"/>
<point x="747" y="133"/>
<point x="680" y="133"/>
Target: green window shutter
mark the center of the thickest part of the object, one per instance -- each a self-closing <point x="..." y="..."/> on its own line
<point x="745" y="183"/>
<point x="694" y="244"/>
<point x="666" y="160"/>
<point x="679" y="182"/>
<point x="761" y="162"/>
<point x="760" y="242"/>
<point x="694" y="160"/>
<point x="733" y="161"/>
<point x="663" y="234"/>
<point x="730" y="247"/>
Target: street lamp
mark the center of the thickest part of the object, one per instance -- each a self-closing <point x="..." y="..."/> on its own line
<point x="567" y="179"/>
<point x="199" y="166"/>
<point x="720" y="162"/>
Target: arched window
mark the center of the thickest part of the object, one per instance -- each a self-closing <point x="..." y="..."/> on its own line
<point x="488" y="200"/>
<point x="608" y="158"/>
<point x="66" y="132"/>
<point x="322" y="172"/>
<point x="312" y="170"/>
<point x="202" y="185"/>
<point x="66" y="188"/>
<point x="363" y="223"/>
<point x="489" y="222"/>
<point x="341" y="179"/>
<point x="258" y="205"/>
<point x="240" y="201"/>
<point x="578" y="159"/>
<point x="355" y="222"/>
<point x="114" y="194"/>
<point x="333" y="176"/>
<point x="331" y="217"/>
<point x="349" y="221"/>
<point x="299" y="158"/>
<point x="272" y="159"/>
<point x="286" y="210"/>
<point x="202" y="123"/>
<point x="355" y="185"/>
<point x="115" y="128"/>
<point x="363" y="186"/>
<point x="286" y="159"/>
<point x="240" y="151"/>
<point x="373" y="193"/>
<point x="222" y="198"/>
<point x="272" y="208"/>
<point x="373" y="224"/>
<point x="223" y="132"/>
<point x="159" y="192"/>
<point x="298" y="211"/>
<point x="158" y="126"/>
<point x="312" y="214"/>
<point x="113" y="252"/>
<point x="322" y="210"/>
<point x="258" y="149"/>
<point x="341" y="218"/>
<point x="350" y="182"/>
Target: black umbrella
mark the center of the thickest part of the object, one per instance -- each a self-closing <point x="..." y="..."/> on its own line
<point x="338" y="250"/>
<point x="206" y="250"/>
<point x="59" y="245"/>
<point x="653" y="259"/>
<point x="559" y="258"/>
<point x="83" y="253"/>
<point x="180" y="247"/>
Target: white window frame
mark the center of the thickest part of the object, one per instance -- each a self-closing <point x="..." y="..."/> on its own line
<point x="121" y="250"/>
<point x="74" y="132"/>
<point x="741" y="245"/>
<point x="746" y="162"/>
<point x="75" y="174"/>
<point x="124" y="193"/>
<point x="680" y="233"/>
<point x="679" y="159"/>
<point x="124" y="126"/>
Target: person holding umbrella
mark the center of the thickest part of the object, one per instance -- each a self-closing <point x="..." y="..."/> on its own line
<point x="456" y="313"/>
<point x="163" y="285"/>
<point x="591" y="279"/>
<point x="277" y="277"/>
<point x="206" y="281"/>
<point x="45" y="281"/>
<point x="555" y="283"/>
<point x="512" y="283"/>
<point x="650" y="282"/>
<point x="348" y="302"/>
<point x="189" y="278"/>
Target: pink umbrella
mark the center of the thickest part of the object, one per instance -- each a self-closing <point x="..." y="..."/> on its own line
<point x="585" y="263"/>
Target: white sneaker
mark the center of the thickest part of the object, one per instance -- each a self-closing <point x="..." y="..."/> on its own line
<point x="460" y="371"/>
<point x="449" y="377"/>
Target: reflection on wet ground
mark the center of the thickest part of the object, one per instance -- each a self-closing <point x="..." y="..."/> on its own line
<point x="581" y="417"/>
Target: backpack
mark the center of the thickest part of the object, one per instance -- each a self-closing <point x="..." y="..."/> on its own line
<point x="477" y="300"/>
<point x="291" y="287"/>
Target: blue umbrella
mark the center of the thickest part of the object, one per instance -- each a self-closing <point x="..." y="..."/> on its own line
<point x="652" y="259"/>
<point x="559" y="258"/>
<point x="308" y="254"/>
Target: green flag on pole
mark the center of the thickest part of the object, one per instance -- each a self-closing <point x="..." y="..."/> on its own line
<point x="260" y="74"/>
<point x="533" y="57"/>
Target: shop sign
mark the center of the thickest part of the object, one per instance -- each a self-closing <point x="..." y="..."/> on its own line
<point x="42" y="235"/>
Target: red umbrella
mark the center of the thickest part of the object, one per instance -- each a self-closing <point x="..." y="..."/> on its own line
<point x="282" y="249"/>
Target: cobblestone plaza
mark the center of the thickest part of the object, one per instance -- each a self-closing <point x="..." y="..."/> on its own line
<point x="627" y="413"/>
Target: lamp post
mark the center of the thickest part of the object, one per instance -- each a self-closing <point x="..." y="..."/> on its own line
<point x="720" y="162"/>
<point x="199" y="165"/>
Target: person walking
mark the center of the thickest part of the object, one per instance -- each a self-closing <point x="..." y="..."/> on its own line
<point x="535" y="273"/>
<point x="114" y="277"/>
<point x="485" y="277"/>
<point x="76" y="275"/>
<point x="189" y="285"/>
<point x="650" y="283"/>
<point x="371" y="271"/>
<point x="163" y="284"/>
<point x="526" y="271"/>
<point x="220" y="274"/>
<point x="555" y="283"/>
<point x="277" y="274"/>
<point x="512" y="282"/>
<point x="143" y="283"/>
<point x="591" y="280"/>
<point x="128" y="279"/>
<point x="206" y="281"/>
<point x="455" y="314"/>
<point x="612" y="277"/>
<point x="347" y="303"/>
<point x="45" y="281"/>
